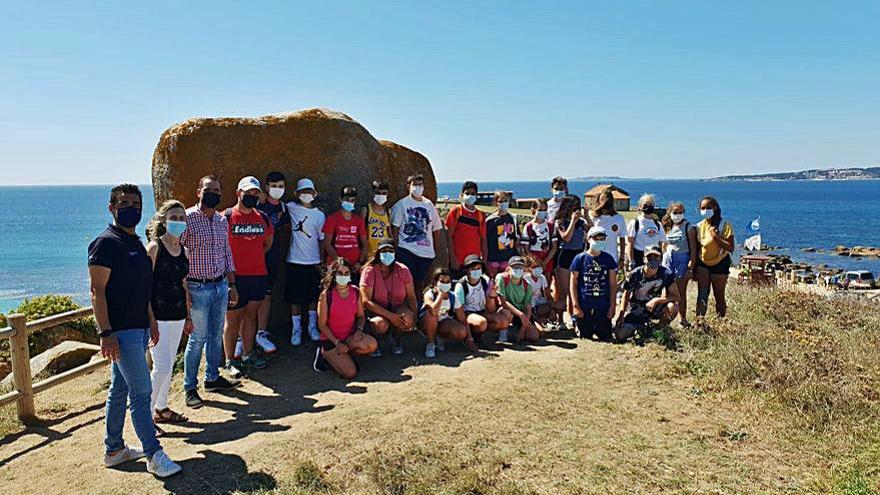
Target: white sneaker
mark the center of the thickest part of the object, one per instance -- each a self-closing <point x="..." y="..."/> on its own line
<point x="161" y="466"/>
<point x="430" y="351"/>
<point x="314" y="333"/>
<point x="239" y="349"/>
<point x="296" y="337"/>
<point x="265" y="343"/>
<point x="502" y="336"/>
<point x="124" y="455"/>
<point x="440" y="345"/>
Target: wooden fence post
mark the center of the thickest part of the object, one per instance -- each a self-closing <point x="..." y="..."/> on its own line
<point x="21" y="369"/>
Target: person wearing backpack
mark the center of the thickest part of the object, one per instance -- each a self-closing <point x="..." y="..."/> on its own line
<point x="341" y="322"/>
<point x="516" y="296"/>
<point x="274" y="207"/>
<point x="441" y="314"/>
<point x="250" y="238"/>
<point x="466" y="226"/>
<point x="715" y="241"/>
<point x="643" y="231"/>
<point x="479" y="299"/>
<point x="680" y="257"/>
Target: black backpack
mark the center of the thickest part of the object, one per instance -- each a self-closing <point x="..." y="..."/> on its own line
<point x="466" y="286"/>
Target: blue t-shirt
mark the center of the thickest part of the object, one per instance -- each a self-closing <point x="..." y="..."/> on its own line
<point x="578" y="237"/>
<point x="593" y="274"/>
<point x="130" y="284"/>
<point x="278" y="216"/>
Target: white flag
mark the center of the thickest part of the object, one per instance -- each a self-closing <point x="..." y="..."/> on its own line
<point x="753" y="243"/>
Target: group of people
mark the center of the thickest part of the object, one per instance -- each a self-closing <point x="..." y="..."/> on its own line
<point x="209" y="273"/>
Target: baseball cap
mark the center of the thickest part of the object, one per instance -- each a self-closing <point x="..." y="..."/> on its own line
<point x="248" y="183"/>
<point x="596" y="230"/>
<point x="653" y="249"/>
<point x="305" y="183"/>
<point x="385" y="243"/>
<point x="516" y="261"/>
<point x="473" y="258"/>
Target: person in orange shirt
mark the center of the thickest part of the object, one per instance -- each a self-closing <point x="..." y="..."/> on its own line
<point x="467" y="229"/>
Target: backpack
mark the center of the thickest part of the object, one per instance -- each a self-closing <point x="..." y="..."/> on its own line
<point x="266" y="220"/>
<point x="465" y="286"/>
<point x="455" y="213"/>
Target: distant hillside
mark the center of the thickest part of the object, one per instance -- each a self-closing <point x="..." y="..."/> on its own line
<point x="813" y="174"/>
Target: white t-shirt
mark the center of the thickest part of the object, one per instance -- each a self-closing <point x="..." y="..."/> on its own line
<point x="552" y="208"/>
<point x="615" y="228"/>
<point x="416" y="221"/>
<point x="305" y="234"/>
<point x="476" y="297"/>
<point x="650" y="233"/>
<point x="446" y="308"/>
<point x="537" y="287"/>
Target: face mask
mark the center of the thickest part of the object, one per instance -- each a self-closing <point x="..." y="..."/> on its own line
<point x="469" y="199"/>
<point x="343" y="279"/>
<point x="380" y="199"/>
<point x="276" y="192"/>
<point x="306" y="198"/>
<point x="386" y="258"/>
<point x="128" y="217"/>
<point x="210" y="199"/>
<point x="417" y="191"/>
<point x="677" y="217"/>
<point x="503" y="206"/>
<point x="249" y="201"/>
<point x="444" y="286"/>
<point x="648" y="209"/>
<point x="652" y="263"/>
<point x="517" y="273"/>
<point x="541" y="215"/>
<point x="707" y="213"/>
<point x="597" y="245"/>
<point x="558" y="194"/>
<point x="537" y="271"/>
<point x="348" y="206"/>
<point x="175" y="227"/>
<point x="475" y="274"/>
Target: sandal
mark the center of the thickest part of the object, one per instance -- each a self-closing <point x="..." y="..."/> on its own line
<point x="168" y="416"/>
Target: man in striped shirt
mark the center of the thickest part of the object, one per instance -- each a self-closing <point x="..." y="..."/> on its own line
<point x="211" y="287"/>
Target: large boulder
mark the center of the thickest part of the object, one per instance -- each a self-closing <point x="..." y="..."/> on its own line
<point x="64" y="356"/>
<point x="329" y="147"/>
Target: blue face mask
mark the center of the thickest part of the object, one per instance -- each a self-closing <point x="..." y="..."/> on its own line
<point x="128" y="217"/>
<point x="707" y="213"/>
<point x="475" y="274"/>
<point x="537" y="271"/>
<point x="517" y="273"/>
<point x="558" y="193"/>
<point x="503" y="206"/>
<point x="541" y="215"/>
<point x="469" y="199"/>
<point x="348" y="206"/>
<point x="597" y="245"/>
<point x="386" y="258"/>
<point x="175" y="227"/>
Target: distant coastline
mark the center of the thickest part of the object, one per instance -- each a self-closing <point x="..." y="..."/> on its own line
<point x="827" y="174"/>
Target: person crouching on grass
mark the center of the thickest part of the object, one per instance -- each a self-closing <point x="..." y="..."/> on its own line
<point x="437" y="317"/>
<point x="479" y="300"/>
<point x="389" y="296"/>
<point x="594" y="288"/>
<point x="515" y="295"/>
<point x="644" y="300"/>
<point x="542" y="310"/>
<point x="341" y="322"/>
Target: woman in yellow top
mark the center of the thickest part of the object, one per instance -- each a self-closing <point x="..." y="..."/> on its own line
<point x="376" y="217"/>
<point x="715" y="239"/>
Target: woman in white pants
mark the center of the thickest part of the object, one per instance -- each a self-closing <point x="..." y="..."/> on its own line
<point x="169" y="300"/>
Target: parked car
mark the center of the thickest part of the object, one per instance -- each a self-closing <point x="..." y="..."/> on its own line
<point x="804" y="277"/>
<point x="859" y="279"/>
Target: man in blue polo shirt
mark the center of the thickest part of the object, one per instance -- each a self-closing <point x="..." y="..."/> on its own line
<point x="121" y="278"/>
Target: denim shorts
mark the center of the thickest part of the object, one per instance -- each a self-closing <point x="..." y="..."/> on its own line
<point x="677" y="263"/>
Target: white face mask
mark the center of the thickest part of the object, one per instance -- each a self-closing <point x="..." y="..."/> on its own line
<point x="306" y="198"/>
<point x="343" y="279"/>
<point x="417" y="191"/>
<point x="676" y="217"/>
<point x="503" y="206"/>
<point x="380" y="199"/>
<point x="276" y="192"/>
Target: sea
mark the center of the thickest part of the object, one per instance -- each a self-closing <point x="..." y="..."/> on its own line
<point x="45" y="230"/>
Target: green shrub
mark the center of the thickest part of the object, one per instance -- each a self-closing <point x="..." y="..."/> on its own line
<point x="47" y="305"/>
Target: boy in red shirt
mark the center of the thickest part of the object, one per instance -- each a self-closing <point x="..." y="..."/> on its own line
<point x="250" y="237"/>
<point x="467" y="229"/>
<point x="345" y="234"/>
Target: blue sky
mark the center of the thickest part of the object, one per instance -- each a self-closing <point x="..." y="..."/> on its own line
<point x="486" y="90"/>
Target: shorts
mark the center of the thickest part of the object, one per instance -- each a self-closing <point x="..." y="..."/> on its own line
<point x="677" y="263"/>
<point x="638" y="315"/>
<point x="249" y="288"/>
<point x="638" y="258"/>
<point x="417" y="265"/>
<point x="303" y="284"/>
<point x="423" y="310"/>
<point x="565" y="257"/>
<point x="497" y="266"/>
<point x="722" y="268"/>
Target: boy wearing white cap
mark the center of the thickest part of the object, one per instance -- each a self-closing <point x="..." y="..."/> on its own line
<point x="594" y="287"/>
<point x="303" y="274"/>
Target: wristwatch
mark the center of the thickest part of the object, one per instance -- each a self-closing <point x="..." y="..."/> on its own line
<point x="105" y="333"/>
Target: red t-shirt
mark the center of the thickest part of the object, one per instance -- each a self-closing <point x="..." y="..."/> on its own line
<point x="344" y="235"/>
<point x="470" y="229"/>
<point x="246" y="235"/>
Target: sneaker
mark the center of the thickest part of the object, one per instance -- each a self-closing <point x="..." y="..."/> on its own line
<point x="221" y="384"/>
<point x="441" y="346"/>
<point x="430" y="351"/>
<point x="235" y="368"/>
<point x="502" y="336"/>
<point x="254" y="362"/>
<point x="296" y="337"/>
<point x="314" y="333"/>
<point x="377" y="353"/>
<point x="193" y="400"/>
<point x="319" y="364"/>
<point x="161" y="466"/>
<point x="239" y="349"/>
<point x="124" y="455"/>
<point x="397" y="349"/>
<point x="265" y="343"/>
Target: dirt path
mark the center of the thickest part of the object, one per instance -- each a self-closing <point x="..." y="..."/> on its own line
<point x="564" y="417"/>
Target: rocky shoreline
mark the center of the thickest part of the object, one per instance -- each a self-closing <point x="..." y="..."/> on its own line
<point x="852" y="252"/>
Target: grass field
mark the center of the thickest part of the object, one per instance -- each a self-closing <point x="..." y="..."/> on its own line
<point x="780" y="398"/>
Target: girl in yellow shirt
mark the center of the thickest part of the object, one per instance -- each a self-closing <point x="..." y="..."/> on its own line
<point x="715" y="239"/>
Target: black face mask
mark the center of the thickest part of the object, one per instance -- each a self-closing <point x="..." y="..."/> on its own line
<point x="648" y="209"/>
<point x="249" y="201"/>
<point x="210" y="199"/>
<point x="128" y="216"/>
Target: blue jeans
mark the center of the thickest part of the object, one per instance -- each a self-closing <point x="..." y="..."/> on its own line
<point x="130" y="380"/>
<point x="208" y="314"/>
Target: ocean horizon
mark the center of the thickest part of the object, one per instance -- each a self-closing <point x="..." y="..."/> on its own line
<point x="45" y="230"/>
